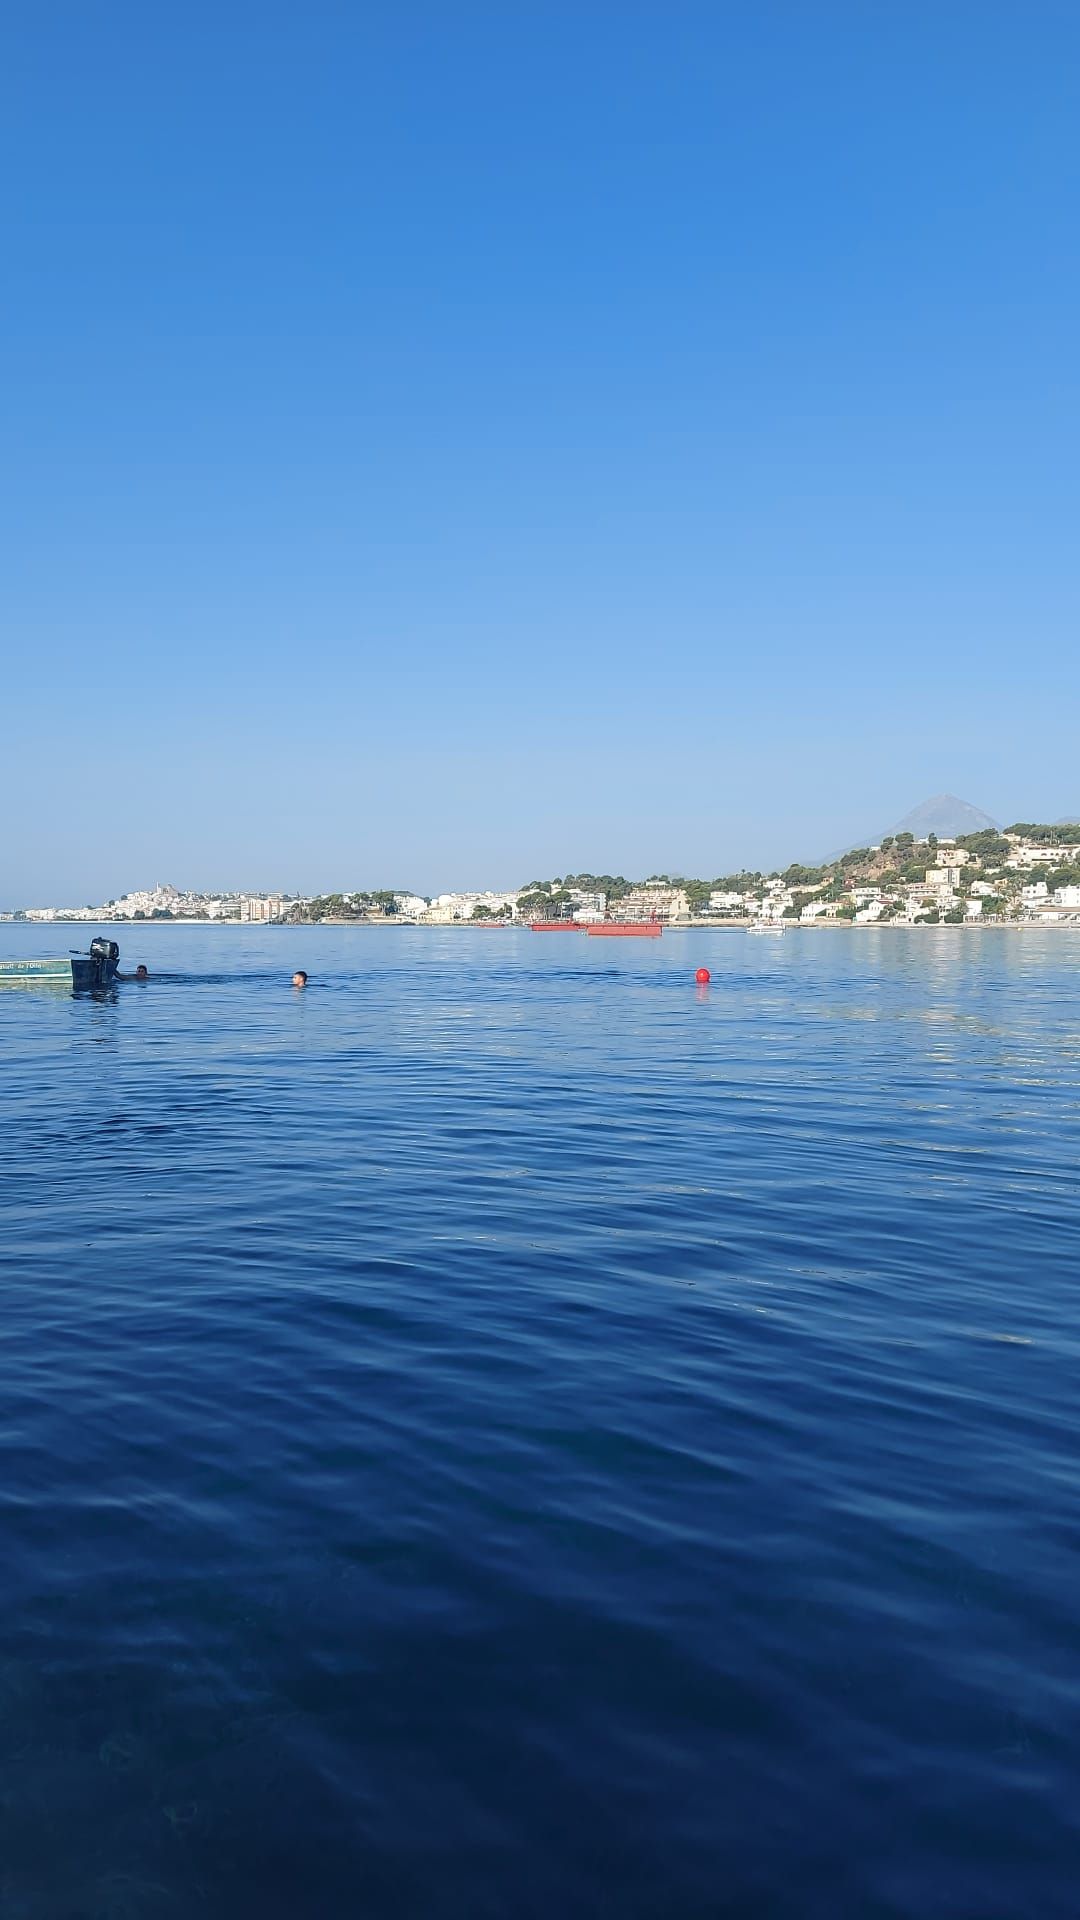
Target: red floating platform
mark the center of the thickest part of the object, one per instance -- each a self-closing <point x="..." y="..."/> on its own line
<point x="646" y="930"/>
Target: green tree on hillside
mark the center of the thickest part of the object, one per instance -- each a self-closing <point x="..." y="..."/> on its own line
<point x="612" y="885"/>
<point x="535" y="904"/>
<point x="697" y="893"/>
<point x="987" y="844"/>
<point x="1048" y="836"/>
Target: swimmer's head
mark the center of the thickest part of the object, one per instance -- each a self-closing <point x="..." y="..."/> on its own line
<point x="141" y="973"/>
<point x="299" y="979"/>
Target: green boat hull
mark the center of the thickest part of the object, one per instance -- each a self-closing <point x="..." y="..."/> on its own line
<point x="84" y="972"/>
<point x="35" y="970"/>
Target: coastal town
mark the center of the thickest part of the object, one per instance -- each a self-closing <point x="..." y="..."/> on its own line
<point x="1020" y="874"/>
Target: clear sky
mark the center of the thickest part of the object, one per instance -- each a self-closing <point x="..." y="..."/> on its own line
<point x="450" y="443"/>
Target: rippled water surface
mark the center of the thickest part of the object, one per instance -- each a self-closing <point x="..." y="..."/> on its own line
<point x="509" y="1432"/>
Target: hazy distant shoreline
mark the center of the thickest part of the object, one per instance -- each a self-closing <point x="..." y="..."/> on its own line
<point x="820" y="925"/>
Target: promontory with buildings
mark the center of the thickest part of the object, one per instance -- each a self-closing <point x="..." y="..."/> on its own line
<point x="1023" y="873"/>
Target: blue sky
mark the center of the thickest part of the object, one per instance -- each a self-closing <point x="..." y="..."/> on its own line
<point x="446" y="444"/>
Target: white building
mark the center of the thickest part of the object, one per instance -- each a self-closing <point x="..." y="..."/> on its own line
<point x="775" y="906"/>
<point x="147" y="901"/>
<point x="259" y="910"/>
<point x="1026" y="854"/>
<point x="656" y="900"/>
<point x="447" y="908"/>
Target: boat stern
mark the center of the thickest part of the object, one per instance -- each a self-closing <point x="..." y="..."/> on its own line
<point x="97" y="969"/>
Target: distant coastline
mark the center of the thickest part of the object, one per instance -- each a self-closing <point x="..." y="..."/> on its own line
<point x="702" y="923"/>
<point x="993" y="876"/>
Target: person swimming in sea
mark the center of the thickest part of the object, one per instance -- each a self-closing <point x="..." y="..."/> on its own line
<point x="299" y="978"/>
<point x="140" y="973"/>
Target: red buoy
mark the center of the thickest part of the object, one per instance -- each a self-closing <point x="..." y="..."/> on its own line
<point x="703" y="976"/>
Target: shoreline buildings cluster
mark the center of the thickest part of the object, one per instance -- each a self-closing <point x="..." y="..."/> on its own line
<point x="1025" y="873"/>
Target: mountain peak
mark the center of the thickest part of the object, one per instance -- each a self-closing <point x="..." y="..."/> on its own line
<point x="944" y="815"/>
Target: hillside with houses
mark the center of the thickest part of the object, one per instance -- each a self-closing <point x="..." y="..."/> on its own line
<point x="1024" y="872"/>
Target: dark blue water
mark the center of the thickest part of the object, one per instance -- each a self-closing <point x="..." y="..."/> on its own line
<point x="508" y="1432"/>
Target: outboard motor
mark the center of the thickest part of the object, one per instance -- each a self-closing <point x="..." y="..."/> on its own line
<point x="98" y="969"/>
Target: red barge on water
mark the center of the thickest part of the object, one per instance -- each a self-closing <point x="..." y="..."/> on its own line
<point x="641" y="929"/>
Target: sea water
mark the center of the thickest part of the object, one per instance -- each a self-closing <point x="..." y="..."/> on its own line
<point x="507" y="1431"/>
